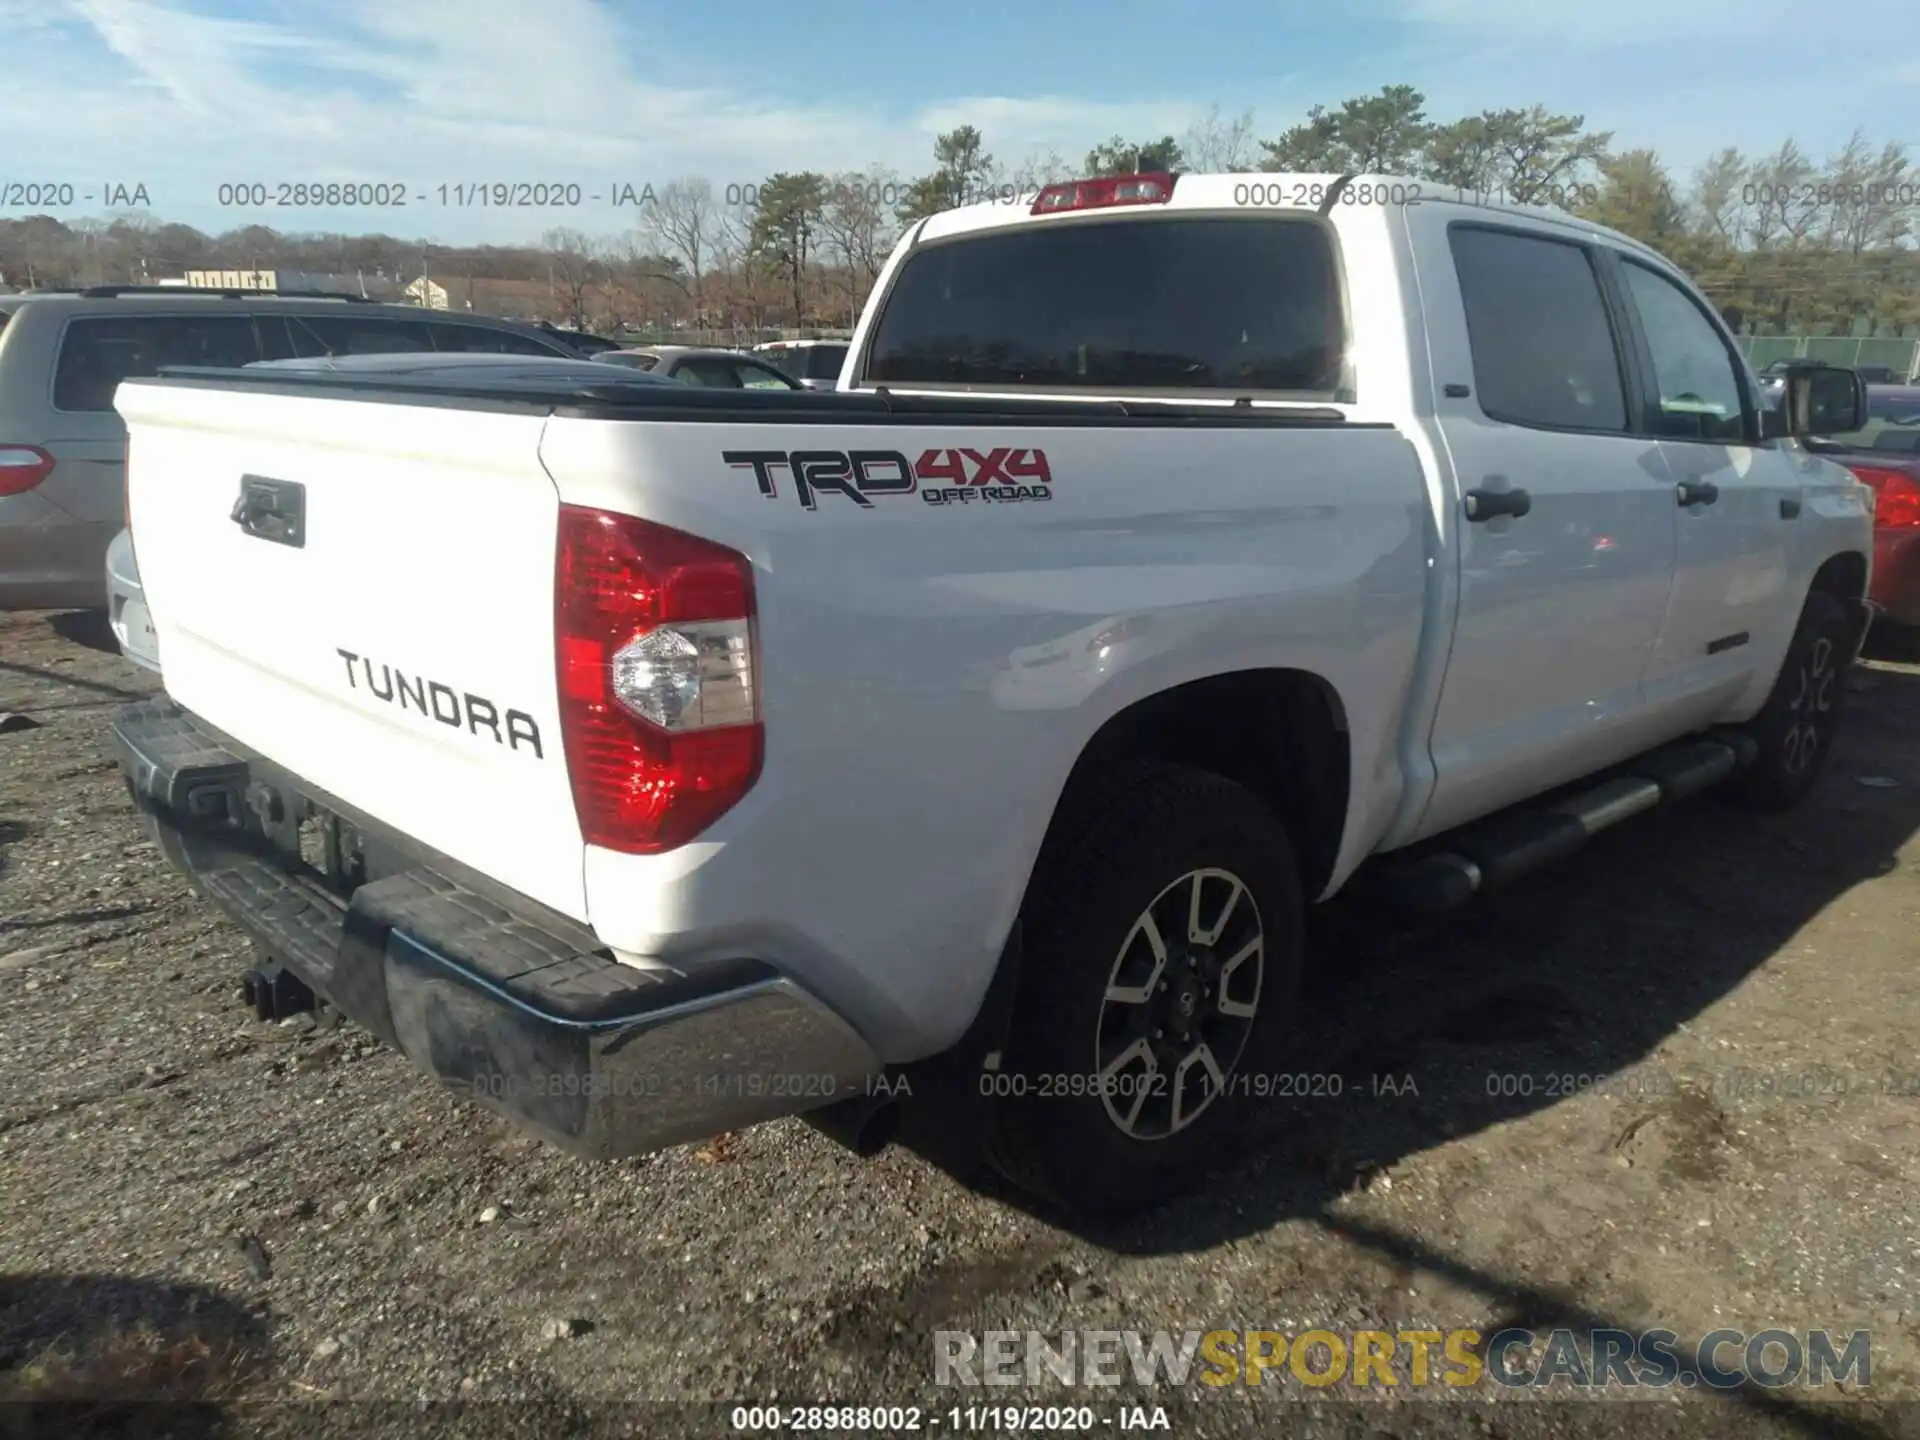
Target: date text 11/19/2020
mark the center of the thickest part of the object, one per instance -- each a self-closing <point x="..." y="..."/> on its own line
<point x="1317" y="194"/>
<point x="647" y="1085"/>
<point x="898" y="1086"/>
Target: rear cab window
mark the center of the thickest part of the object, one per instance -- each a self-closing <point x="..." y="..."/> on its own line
<point x="98" y="352"/>
<point x="1176" y="302"/>
<point x="823" y="362"/>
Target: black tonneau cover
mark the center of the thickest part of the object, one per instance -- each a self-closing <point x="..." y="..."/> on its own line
<point x="577" y="388"/>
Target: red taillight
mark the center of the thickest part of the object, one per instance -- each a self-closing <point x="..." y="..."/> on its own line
<point x="659" y="708"/>
<point x="1896" y="496"/>
<point x="22" y="467"/>
<point x="1100" y="194"/>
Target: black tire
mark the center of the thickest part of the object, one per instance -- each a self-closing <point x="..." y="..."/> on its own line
<point x="1117" y="849"/>
<point x="1795" y="728"/>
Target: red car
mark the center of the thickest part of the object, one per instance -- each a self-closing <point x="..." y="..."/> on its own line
<point x="1885" y="454"/>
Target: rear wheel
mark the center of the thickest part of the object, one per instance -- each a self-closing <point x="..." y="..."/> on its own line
<point x="1161" y="963"/>
<point x="1795" y="728"/>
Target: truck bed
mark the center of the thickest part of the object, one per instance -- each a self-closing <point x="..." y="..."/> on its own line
<point x="934" y="652"/>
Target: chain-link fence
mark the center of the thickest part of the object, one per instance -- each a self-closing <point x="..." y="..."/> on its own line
<point x="1902" y="357"/>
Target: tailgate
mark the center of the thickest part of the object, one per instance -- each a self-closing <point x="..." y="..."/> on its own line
<point x="376" y="615"/>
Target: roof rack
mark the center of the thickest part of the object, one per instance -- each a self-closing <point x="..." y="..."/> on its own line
<point x="109" y="292"/>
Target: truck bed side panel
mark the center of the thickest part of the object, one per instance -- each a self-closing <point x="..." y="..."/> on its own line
<point x="931" y="672"/>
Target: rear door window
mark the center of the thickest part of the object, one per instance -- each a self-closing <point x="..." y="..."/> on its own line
<point x="1164" y="303"/>
<point x="1543" y="349"/>
<point x="98" y="352"/>
<point x="485" y="340"/>
<point x="316" y="335"/>
<point x="716" y="373"/>
<point x="761" y="377"/>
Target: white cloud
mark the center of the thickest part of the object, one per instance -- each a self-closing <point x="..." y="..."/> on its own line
<point x="1683" y="79"/>
<point x="456" y="91"/>
<point x="1616" y="22"/>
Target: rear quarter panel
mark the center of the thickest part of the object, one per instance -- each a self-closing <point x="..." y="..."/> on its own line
<point x="54" y="538"/>
<point x="930" y="673"/>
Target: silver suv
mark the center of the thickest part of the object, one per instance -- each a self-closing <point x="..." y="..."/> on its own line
<point x="62" y="446"/>
<point x="814" y="363"/>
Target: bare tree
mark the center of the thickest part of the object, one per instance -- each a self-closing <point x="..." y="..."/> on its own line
<point x="1780" y="185"/>
<point x="683" y="220"/>
<point x="1719" y="202"/>
<point x="1038" y="171"/>
<point x="89" y="266"/>
<point x="616" y="283"/>
<point x="1213" y="145"/>
<point x="857" y="229"/>
<point x="572" y="267"/>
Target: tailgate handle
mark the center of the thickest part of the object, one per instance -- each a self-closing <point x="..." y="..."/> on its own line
<point x="274" y="510"/>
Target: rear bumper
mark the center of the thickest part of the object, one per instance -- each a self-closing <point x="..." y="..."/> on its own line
<point x="127" y="606"/>
<point x="1896" y="575"/>
<point x="508" y="1003"/>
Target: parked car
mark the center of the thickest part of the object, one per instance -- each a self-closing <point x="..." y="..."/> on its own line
<point x="584" y="341"/>
<point x="726" y="778"/>
<point x="721" y="369"/>
<point x="816" y="364"/>
<point x="1885" y="454"/>
<point x="63" y="353"/>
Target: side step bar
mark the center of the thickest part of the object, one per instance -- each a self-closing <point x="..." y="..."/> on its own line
<point x="1492" y="853"/>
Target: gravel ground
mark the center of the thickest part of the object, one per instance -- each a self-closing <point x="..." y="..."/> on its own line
<point x="249" y="1220"/>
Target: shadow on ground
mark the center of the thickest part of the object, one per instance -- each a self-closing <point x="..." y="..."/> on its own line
<point x="1583" y="969"/>
<point x="110" y="1355"/>
<point x="85" y="627"/>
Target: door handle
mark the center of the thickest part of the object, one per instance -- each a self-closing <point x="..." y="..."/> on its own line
<point x="1492" y="504"/>
<point x="1696" y="492"/>
<point x="1789" y="508"/>
<point x="274" y="510"/>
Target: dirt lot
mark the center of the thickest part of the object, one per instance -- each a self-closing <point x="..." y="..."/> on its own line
<point x="199" y="1207"/>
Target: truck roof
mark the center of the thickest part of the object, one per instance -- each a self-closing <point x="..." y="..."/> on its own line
<point x="1288" y="192"/>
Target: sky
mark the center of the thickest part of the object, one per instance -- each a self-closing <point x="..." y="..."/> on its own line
<point x="181" y="97"/>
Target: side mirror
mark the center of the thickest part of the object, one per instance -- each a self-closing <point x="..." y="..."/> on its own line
<point x="1823" y="400"/>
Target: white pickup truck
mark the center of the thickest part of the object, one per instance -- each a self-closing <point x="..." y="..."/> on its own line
<point x="650" y="761"/>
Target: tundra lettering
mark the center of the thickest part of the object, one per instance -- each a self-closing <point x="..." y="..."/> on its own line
<point x="441" y="701"/>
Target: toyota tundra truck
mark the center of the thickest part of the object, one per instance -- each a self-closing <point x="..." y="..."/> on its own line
<point x="647" y="762"/>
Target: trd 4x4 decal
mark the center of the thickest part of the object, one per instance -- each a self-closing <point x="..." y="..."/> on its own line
<point x="945" y="476"/>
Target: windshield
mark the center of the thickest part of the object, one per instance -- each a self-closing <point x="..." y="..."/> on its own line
<point x="1893" y="423"/>
<point x="1204" y="303"/>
